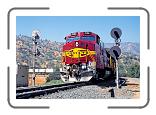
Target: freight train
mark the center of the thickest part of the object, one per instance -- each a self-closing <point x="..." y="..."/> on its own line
<point x="84" y="57"/>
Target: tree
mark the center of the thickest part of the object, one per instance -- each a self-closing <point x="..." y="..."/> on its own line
<point x="122" y="70"/>
<point x="134" y="71"/>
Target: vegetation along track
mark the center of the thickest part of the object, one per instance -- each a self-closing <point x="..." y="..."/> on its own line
<point x="37" y="91"/>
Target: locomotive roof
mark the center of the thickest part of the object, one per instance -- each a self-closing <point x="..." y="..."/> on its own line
<point x="81" y="34"/>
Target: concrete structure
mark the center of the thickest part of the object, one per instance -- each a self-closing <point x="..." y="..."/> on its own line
<point x="22" y="76"/>
<point x="41" y="76"/>
<point x="40" y="79"/>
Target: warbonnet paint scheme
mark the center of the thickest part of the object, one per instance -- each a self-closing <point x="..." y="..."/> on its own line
<point x="84" y="58"/>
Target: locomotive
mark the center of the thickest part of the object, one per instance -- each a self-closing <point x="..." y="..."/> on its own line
<point x="84" y="58"/>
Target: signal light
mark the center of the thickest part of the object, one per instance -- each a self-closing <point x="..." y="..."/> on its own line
<point x="38" y="52"/>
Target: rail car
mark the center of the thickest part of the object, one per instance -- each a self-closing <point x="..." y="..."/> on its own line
<point x="84" y="57"/>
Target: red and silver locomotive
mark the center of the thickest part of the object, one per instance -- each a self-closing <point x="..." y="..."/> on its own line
<point x="84" y="57"/>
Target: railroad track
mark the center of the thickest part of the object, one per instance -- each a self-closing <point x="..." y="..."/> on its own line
<point x="42" y="90"/>
<point x="27" y="93"/>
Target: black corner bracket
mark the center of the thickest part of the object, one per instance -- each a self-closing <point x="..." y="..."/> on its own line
<point x="148" y="48"/>
<point x="19" y="8"/>
<point x="8" y="47"/>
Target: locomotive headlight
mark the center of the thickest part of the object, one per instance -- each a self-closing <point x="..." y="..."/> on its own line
<point x="74" y="70"/>
<point x="76" y="44"/>
<point x="84" y="66"/>
<point x="67" y="67"/>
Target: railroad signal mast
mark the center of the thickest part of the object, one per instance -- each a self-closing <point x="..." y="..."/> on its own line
<point x="35" y="38"/>
<point x="115" y="51"/>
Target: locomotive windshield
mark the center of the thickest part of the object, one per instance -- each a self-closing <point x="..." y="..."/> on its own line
<point x="89" y="38"/>
<point x="72" y="39"/>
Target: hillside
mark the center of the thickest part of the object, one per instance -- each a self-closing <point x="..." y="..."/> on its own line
<point x="50" y="52"/>
<point x="129" y="62"/>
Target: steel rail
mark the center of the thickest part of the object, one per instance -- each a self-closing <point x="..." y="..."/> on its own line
<point x="37" y="91"/>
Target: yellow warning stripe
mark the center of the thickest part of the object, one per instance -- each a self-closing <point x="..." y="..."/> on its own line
<point x="78" y="53"/>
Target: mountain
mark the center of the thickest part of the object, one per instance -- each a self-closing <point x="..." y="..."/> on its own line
<point x="50" y="54"/>
<point x="127" y="47"/>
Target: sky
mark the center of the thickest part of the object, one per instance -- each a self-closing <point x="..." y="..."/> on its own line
<point x="55" y="28"/>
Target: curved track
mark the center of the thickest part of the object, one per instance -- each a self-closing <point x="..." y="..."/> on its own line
<point x="26" y="93"/>
<point x="37" y="91"/>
